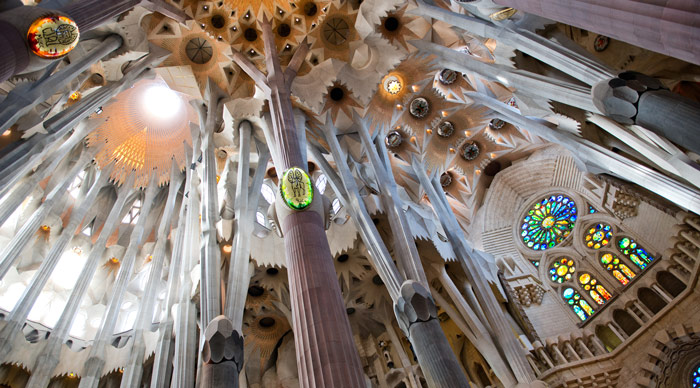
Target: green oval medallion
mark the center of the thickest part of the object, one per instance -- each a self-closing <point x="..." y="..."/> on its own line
<point x="296" y="188"/>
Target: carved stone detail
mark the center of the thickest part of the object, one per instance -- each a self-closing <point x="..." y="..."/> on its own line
<point x="415" y="305"/>
<point x="222" y="343"/>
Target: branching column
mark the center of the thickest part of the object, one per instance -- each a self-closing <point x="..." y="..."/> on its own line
<point x="50" y="356"/>
<point x="326" y="354"/>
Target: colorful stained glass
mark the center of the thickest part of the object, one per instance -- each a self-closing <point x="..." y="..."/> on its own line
<point x="536" y="263"/>
<point x="562" y="270"/>
<point x="595" y="290"/>
<point x="634" y="252"/>
<point x="591" y="210"/>
<point x="578" y="304"/>
<point x="548" y="222"/>
<point x="620" y="271"/>
<point x="598" y="236"/>
<point x="695" y="379"/>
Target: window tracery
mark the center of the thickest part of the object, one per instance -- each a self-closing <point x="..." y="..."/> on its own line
<point x="582" y="309"/>
<point x="634" y="252"/>
<point x="562" y="270"/>
<point x="589" y="283"/>
<point x="548" y="222"/>
<point x="132" y="216"/>
<point x="598" y="236"/>
<point x="619" y="270"/>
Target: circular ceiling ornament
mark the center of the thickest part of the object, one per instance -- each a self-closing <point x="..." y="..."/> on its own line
<point x="496" y="124"/>
<point x="548" y="222"/>
<point x="419" y="107"/>
<point x="392" y="85"/>
<point x="445" y="179"/>
<point x="52" y="36"/>
<point x="469" y="150"/>
<point x="600" y="43"/>
<point x="393" y="139"/>
<point x="445" y="129"/>
<point x="335" y="31"/>
<point x="296" y="188"/>
<point x="447" y="76"/>
<point x="199" y="50"/>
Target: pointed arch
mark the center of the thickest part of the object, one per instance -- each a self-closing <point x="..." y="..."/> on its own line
<point x="596" y="290"/>
<point x="619" y="270"/>
<point x="579" y="305"/>
<point x="634" y="252"/>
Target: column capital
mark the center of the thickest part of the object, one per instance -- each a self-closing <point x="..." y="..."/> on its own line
<point x="618" y="98"/>
<point x="222" y="343"/>
<point x="414" y="305"/>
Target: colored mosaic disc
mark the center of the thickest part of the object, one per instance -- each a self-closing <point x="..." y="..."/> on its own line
<point x="598" y="236"/>
<point x="53" y="36"/>
<point x="296" y="188"/>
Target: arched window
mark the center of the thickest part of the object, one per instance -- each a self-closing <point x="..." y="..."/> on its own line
<point x="562" y="270"/>
<point x="634" y="252"/>
<point x="578" y="304"/>
<point x="651" y="299"/>
<point x="620" y="271"/>
<point x="594" y="288"/>
<point x="625" y="321"/>
<point x="598" y="236"/>
<point x="548" y="222"/>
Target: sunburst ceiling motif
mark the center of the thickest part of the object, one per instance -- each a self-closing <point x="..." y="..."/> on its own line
<point x="141" y="140"/>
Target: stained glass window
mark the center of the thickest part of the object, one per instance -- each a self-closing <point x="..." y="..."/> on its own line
<point x="562" y="270"/>
<point x="578" y="304"/>
<point x="595" y="289"/>
<point x="548" y="222"/>
<point x="695" y="380"/>
<point x="598" y="236"/>
<point x="620" y="271"/>
<point x="634" y="252"/>
<point x="536" y="263"/>
<point x="591" y="210"/>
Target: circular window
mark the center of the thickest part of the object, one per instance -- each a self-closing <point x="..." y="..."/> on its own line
<point x="419" y="107"/>
<point x="199" y="51"/>
<point x="598" y="236"/>
<point x="250" y="34"/>
<point x="469" y="150"/>
<point x="445" y="179"/>
<point x="393" y="139"/>
<point x="448" y="76"/>
<point x="284" y="30"/>
<point x="445" y="129"/>
<point x="695" y="378"/>
<point x="548" y="222"/>
<point x="496" y="124"/>
<point x="337" y="94"/>
<point x="562" y="270"/>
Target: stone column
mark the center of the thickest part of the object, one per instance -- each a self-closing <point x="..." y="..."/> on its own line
<point x="24" y="305"/>
<point x="185" y="320"/>
<point x="25" y="97"/>
<point x="95" y="361"/>
<point x="49" y="358"/>
<point x="11" y="252"/>
<point x="417" y="316"/>
<point x="634" y="98"/>
<point x="326" y="353"/>
<point x="144" y="317"/>
<point x="222" y="355"/>
<point x="669" y="27"/>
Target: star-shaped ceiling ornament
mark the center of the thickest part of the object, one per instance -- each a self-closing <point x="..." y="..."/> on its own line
<point x="334" y="35"/>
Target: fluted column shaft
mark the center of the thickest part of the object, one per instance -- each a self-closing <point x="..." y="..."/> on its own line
<point x="144" y="317"/>
<point x="24" y="305"/>
<point x="669" y="26"/>
<point x="185" y="325"/>
<point x="95" y="362"/>
<point x="49" y="358"/>
<point x="326" y="354"/>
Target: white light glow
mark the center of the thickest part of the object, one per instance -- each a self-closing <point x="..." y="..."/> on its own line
<point x="268" y="193"/>
<point x="162" y="102"/>
<point x="321" y="183"/>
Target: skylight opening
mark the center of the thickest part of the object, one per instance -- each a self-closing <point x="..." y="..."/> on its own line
<point x="321" y="183"/>
<point x="162" y="102"/>
<point x="336" y="206"/>
<point x="268" y="193"/>
<point x="260" y="218"/>
<point x="74" y="188"/>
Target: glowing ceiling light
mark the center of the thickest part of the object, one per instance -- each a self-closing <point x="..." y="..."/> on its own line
<point x="162" y="102"/>
<point x="392" y="84"/>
